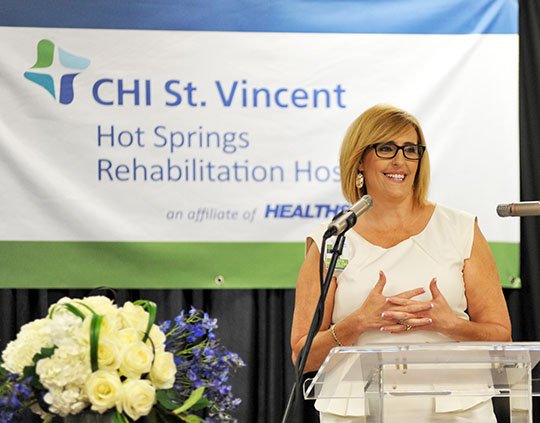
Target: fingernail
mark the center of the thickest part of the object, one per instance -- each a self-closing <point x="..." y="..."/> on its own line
<point x="382" y="329"/>
<point x="435" y="280"/>
<point x="380" y="272"/>
<point x="432" y="305"/>
<point x="382" y="314"/>
<point x="423" y="290"/>
<point x="430" y="321"/>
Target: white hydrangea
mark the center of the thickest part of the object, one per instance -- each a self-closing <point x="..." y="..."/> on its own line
<point x="64" y="375"/>
<point x="66" y="328"/>
<point x="66" y="400"/>
<point x="30" y="340"/>
<point x="89" y="305"/>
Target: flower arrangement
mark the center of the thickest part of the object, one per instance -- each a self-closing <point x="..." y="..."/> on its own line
<point x="90" y="354"/>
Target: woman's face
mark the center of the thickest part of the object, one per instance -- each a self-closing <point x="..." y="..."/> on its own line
<point x="391" y="179"/>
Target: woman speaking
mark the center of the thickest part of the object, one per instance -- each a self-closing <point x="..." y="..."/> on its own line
<point x="416" y="271"/>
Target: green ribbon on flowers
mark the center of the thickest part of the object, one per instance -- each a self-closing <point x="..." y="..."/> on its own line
<point x="87" y="307"/>
<point x="73" y="309"/>
<point x="69" y="307"/>
<point x="151" y="308"/>
<point x="95" y="327"/>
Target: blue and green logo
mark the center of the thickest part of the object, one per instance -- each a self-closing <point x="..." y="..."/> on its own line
<point x="45" y="61"/>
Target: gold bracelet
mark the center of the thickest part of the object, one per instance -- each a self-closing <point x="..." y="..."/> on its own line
<point x="333" y="332"/>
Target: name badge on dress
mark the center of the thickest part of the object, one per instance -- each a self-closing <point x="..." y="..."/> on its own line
<point x="343" y="260"/>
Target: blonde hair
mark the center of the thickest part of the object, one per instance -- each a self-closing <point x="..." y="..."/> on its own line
<point x="379" y="123"/>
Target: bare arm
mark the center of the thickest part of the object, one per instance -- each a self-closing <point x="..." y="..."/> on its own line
<point x="485" y="301"/>
<point x="486" y="304"/>
<point x="307" y="296"/>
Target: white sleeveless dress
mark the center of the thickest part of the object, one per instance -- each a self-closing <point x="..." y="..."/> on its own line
<point x="438" y="251"/>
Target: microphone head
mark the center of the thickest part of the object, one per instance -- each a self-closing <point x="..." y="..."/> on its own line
<point x="346" y="219"/>
<point x="504" y="210"/>
<point x="368" y="199"/>
<point x="362" y="205"/>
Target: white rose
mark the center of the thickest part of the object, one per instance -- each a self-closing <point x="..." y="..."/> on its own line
<point x="108" y="353"/>
<point x="163" y="371"/>
<point x="104" y="390"/>
<point x="158" y="338"/>
<point x="133" y="316"/>
<point x="100" y="305"/>
<point x="138" y="398"/>
<point x="129" y="336"/>
<point x="136" y="359"/>
<point x="109" y="326"/>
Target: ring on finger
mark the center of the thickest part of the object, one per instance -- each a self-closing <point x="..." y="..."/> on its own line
<point x="408" y="328"/>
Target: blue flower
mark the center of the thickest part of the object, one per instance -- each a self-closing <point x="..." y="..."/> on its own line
<point x="201" y="360"/>
<point x="199" y="331"/>
<point x="15" y="395"/>
<point x="165" y="326"/>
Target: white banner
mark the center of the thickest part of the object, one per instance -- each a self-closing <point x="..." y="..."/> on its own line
<point x="213" y="136"/>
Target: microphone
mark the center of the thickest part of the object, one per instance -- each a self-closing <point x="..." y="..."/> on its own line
<point x="525" y="208"/>
<point x="346" y="219"/>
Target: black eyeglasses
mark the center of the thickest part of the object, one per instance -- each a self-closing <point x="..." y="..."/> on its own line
<point x="389" y="149"/>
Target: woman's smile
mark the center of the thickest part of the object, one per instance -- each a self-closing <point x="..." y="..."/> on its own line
<point x="396" y="177"/>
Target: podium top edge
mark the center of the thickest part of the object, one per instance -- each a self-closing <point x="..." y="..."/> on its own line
<point x="432" y="346"/>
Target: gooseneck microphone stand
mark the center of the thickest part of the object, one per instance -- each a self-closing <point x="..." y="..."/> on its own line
<point x="301" y="360"/>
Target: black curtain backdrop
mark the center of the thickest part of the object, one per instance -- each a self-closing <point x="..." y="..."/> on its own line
<point x="256" y="323"/>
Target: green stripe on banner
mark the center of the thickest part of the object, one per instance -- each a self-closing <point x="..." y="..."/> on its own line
<point x="161" y="265"/>
<point x="148" y="265"/>
<point x="507" y="258"/>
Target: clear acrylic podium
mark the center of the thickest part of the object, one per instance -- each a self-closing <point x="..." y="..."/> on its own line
<point x="360" y="378"/>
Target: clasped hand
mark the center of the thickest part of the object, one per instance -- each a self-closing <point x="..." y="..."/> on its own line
<point x="401" y="313"/>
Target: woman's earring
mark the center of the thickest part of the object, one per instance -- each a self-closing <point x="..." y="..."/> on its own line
<point x="359" y="180"/>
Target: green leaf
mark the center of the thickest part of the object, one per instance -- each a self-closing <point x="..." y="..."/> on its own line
<point x="119" y="417"/>
<point x="191" y="418"/>
<point x="161" y="415"/>
<point x="153" y="416"/>
<point x="168" y="398"/>
<point x="70" y="307"/>
<point x="194" y="397"/>
<point x="202" y="403"/>
<point x="30" y="371"/>
<point x="151" y="308"/>
<point x="95" y="327"/>
<point x="45" y="352"/>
